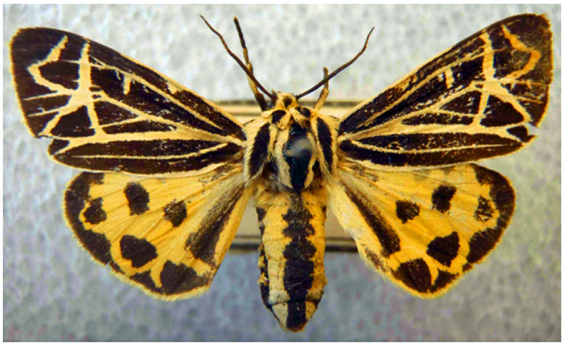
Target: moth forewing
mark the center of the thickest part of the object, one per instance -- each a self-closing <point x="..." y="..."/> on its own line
<point x="473" y="102"/>
<point x="92" y="101"/>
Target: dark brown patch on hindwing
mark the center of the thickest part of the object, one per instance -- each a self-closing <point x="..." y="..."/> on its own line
<point x="76" y="198"/>
<point x="390" y="242"/>
<point x="139" y="251"/>
<point x="406" y="210"/>
<point x="415" y="274"/>
<point x="484" y="211"/>
<point x="501" y="192"/>
<point x="138" y="198"/>
<point x="94" y="214"/>
<point x="178" y="279"/>
<point x="443" y="279"/>
<point x="203" y="242"/>
<point x="482" y="243"/>
<point x="444" y="249"/>
<point x="175" y="212"/>
<point x="502" y="195"/>
<point x="144" y="278"/>
<point x="441" y="198"/>
<point x="374" y="258"/>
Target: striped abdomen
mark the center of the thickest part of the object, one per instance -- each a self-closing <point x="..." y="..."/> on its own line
<point x="292" y="255"/>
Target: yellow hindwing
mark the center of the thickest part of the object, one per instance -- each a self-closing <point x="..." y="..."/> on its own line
<point x="423" y="229"/>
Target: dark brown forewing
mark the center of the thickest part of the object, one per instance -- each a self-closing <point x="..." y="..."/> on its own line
<point x="108" y="112"/>
<point x="470" y="103"/>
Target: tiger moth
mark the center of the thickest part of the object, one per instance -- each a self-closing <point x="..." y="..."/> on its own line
<point x="167" y="174"/>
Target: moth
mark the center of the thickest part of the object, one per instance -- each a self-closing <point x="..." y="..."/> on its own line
<point x="167" y="174"/>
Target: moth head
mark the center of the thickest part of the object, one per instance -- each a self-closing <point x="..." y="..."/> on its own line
<point x="286" y="111"/>
<point x="285" y="101"/>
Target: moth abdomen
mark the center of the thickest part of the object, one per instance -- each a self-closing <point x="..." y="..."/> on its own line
<point x="291" y="255"/>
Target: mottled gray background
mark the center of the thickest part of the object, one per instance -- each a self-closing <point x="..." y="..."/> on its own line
<point x="53" y="291"/>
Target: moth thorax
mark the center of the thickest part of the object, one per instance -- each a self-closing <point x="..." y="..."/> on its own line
<point x="296" y="157"/>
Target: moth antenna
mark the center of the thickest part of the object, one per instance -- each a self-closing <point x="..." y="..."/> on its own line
<point x="258" y="96"/>
<point x="241" y="64"/>
<point x="335" y="72"/>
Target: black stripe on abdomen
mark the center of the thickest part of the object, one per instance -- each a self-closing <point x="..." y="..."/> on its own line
<point x="291" y="256"/>
<point x="298" y="253"/>
<point x="299" y="267"/>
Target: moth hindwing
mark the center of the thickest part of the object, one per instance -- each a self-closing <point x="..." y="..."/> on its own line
<point x="166" y="181"/>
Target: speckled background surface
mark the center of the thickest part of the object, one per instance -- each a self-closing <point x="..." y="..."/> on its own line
<point x="53" y="291"/>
